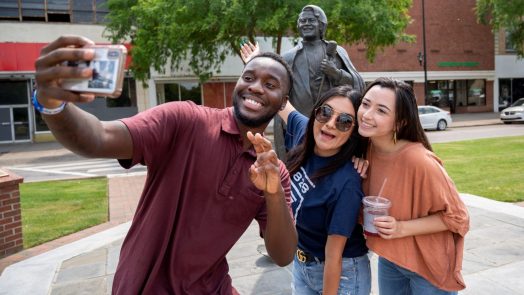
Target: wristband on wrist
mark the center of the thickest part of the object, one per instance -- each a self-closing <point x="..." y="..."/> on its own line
<point x="44" y="110"/>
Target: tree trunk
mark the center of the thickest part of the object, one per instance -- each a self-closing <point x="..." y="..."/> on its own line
<point x="279" y="43"/>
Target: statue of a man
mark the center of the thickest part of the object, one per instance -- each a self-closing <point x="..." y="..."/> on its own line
<point x="318" y="65"/>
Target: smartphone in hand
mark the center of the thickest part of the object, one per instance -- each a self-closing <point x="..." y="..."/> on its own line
<point x="108" y="72"/>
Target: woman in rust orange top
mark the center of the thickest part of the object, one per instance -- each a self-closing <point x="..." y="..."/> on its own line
<point x="420" y="244"/>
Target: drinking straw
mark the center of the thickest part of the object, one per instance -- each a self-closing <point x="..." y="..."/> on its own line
<point x="382" y="187"/>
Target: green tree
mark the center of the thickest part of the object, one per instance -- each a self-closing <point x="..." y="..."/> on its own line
<point x="504" y="14"/>
<point x="199" y="34"/>
<point x="377" y="23"/>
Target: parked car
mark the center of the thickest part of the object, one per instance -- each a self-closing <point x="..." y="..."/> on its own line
<point x="514" y="113"/>
<point x="434" y="118"/>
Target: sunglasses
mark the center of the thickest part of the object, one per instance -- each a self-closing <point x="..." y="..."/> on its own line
<point x="324" y="113"/>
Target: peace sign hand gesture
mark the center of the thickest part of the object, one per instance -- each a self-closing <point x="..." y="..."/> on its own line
<point x="265" y="172"/>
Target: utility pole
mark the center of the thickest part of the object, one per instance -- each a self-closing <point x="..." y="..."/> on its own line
<point x="424" y="55"/>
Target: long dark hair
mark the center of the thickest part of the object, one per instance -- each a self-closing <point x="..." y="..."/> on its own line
<point x="407" y="122"/>
<point x="355" y="145"/>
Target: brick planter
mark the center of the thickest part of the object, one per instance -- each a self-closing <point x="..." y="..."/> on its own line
<point x="11" y="240"/>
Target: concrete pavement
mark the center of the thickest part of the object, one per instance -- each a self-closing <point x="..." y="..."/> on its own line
<point x="85" y="263"/>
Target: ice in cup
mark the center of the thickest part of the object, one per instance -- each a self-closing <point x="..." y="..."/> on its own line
<point x="374" y="207"/>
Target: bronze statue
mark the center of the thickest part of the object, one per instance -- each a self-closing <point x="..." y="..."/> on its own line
<point x="318" y="65"/>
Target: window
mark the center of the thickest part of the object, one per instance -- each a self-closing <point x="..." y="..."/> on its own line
<point x="83" y="12"/>
<point x="128" y="96"/>
<point x="58" y="11"/>
<point x="440" y="93"/>
<point x="14" y="92"/>
<point x="509" y="47"/>
<point x="471" y="92"/>
<point x="179" y="91"/>
<point x="33" y="10"/>
<point x="40" y="125"/>
<point x="9" y="9"/>
<point x="101" y="10"/>
<point x="453" y="93"/>
<point x="76" y="11"/>
<point x="504" y="93"/>
<point x="476" y="93"/>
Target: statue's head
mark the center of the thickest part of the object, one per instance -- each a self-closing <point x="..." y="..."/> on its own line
<point x="312" y="23"/>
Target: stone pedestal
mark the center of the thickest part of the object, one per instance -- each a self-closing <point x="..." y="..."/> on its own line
<point x="11" y="240"/>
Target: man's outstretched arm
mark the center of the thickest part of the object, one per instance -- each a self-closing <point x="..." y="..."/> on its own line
<point x="76" y="129"/>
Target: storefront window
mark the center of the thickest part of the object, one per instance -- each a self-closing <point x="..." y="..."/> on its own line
<point x="476" y="92"/>
<point x="128" y="96"/>
<point x="13" y="92"/>
<point x="461" y="92"/>
<point x="457" y="93"/>
<point x="517" y="88"/>
<point x="179" y="91"/>
<point x="504" y="93"/>
<point x="40" y="125"/>
<point x="441" y="93"/>
<point x="471" y="92"/>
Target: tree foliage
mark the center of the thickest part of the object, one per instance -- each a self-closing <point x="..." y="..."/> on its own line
<point x="201" y="33"/>
<point x="504" y="14"/>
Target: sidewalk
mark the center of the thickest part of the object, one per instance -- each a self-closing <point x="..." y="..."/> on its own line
<point x="475" y="119"/>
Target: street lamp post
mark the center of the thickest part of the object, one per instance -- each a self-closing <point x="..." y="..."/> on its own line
<point x="422" y="56"/>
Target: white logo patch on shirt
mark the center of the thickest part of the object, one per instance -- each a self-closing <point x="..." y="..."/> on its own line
<point x="300" y="185"/>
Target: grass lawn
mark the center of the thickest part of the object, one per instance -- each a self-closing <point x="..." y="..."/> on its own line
<point x="52" y="209"/>
<point x="491" y="167"/>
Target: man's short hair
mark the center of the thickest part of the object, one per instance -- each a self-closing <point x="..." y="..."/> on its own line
<point x="279" y="59"/>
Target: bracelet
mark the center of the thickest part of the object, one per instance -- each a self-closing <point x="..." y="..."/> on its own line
<point x="43" y="110"/>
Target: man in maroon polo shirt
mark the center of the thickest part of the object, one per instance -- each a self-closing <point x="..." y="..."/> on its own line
<point x="208" y="175"/>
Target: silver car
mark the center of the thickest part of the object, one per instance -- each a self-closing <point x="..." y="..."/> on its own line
<point x="434" y="118"/>
<point x="514" y="113"/>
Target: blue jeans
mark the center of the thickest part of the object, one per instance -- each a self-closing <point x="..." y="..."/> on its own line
<point x="396" y="280"/>
<point x="355" y="278"/>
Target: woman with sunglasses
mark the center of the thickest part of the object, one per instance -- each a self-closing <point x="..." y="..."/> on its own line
<point x="326" y="191"/>
<point x="420" y="244"/>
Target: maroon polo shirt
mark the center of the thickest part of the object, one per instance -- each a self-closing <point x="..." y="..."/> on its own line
<point x="197" y="201"/>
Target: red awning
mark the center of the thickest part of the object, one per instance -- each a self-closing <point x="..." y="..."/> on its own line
<point x="20" y="57"/>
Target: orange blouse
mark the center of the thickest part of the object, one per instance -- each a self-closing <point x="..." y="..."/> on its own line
<point x="417" y="186"/>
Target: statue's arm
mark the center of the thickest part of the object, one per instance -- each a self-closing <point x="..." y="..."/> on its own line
<point x="344" y="78"/>
<point x="348" y="73"/>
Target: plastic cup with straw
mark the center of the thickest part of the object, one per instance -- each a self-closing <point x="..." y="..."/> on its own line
<point x="375" y="206"/>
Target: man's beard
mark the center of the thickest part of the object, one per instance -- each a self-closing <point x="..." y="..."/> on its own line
<point x="258" y="122"/>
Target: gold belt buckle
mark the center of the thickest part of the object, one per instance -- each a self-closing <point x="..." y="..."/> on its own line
<point x="301" y="256"/>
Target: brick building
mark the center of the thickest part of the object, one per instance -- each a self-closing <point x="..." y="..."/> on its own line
<point x="460" y="57"/>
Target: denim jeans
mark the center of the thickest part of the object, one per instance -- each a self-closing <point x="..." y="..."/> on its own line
<point x="355" y="278"/>
<point x="396" y="280"/>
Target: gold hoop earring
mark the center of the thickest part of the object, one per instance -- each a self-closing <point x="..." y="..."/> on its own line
<point x="395" y="137"/>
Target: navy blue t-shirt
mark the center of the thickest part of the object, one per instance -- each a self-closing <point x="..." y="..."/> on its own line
<point x="330" y="205"/>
